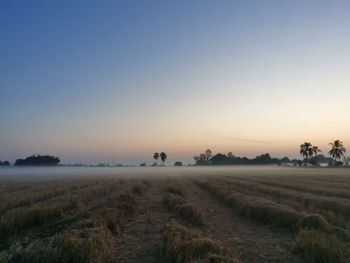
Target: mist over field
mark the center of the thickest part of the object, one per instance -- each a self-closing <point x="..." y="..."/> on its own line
<point x="47" y="173"/>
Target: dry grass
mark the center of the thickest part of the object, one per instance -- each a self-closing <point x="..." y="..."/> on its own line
<point x="180" y="245"/>
<point x="317" y="222"/>
<point x="256" y="208"/>
<point x="30" y="197"/>
<point x="332" y="208"/>
<point x="302" y="186"/>
<point x="139" y="189"/>
<point x="175" y="190"/>
<point x="84" y="246"/>
<point x="317" y="240"/>
<point x="88" y="220"/>
<point x="318" y="247"/>
<point x="16" y="220"/>
<point x="183" y="208"/>
<point x="91" y="240"/>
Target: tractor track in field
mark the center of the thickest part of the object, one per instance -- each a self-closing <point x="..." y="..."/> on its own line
<point x="254" y="242"/>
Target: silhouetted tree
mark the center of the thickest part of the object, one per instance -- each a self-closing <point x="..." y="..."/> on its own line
<point x="337" y="150"/>
<point x="230" y="155"/>
<point x="262" y="159"/>
<point x="5" y="163"/>
<point x="38" y="160"/>
<point x="156" y="157"/>
<point x="315" y="151"/>
<point x="219" y="159"/>
<point x="163" y="157"/>
<point x="230" y="159"/>
<point x="306" y="150"/>
<point x="201" y="159"/>
<point x="178" y="164"/>
<point x="208" y="154"/>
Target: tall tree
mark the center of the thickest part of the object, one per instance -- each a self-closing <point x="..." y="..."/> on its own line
<point x="156" y="157"/>
<point x="208" y="154"/>
<point x="163" y="156"/>
<point x="306" y="150"/>
<point x="337" y="150"/>
<point x="316" y="150"/>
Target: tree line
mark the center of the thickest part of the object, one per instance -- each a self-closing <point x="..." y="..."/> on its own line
<point x="207" y="158"/>
<point x="310" y="153"/>
<point x="311" y="156"/>
<point x="35" y="160"/>
<point x="5" y="163"/>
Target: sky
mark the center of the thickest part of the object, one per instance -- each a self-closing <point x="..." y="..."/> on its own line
<point x="116" y="81"/>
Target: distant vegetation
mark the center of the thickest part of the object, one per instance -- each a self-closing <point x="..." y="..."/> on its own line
<point x="310" y="154"/>
<point x="229" y="159"/>
<point x="5" y="163"/>
<point x="38" y="160"/>
<point x="163" y="156"/>
<point x="178" y="164"/>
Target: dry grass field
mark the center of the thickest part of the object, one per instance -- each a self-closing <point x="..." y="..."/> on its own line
<point x="246" y="215"/>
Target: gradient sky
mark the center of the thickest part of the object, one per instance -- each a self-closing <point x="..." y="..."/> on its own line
<point x="115" y="81"/>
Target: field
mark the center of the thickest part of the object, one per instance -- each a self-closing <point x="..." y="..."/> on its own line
<point x="177" y="215"/>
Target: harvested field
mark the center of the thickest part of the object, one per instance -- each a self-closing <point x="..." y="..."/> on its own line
<point x="248" y="215"/>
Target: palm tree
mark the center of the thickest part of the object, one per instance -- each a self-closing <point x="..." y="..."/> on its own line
<point x="163" y="157"/>
<point x="306" y="150"/>
<point x="337" y="150"/>
<point x="156" y="157"/>
<point x="315" y="151"/>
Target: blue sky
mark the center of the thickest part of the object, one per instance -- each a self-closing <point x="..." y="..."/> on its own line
<point x="96" y="81"/>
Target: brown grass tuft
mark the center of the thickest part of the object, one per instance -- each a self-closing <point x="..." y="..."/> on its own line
<point x="190" y="212"/>
<point x="91" y="246"/>
<point x="175" y="190"/>
<point x="139" y="189"/>
<point x="256" y="208"/>
<point x="317" y="222"/>
<point x="314" y="222"/>
<point x="316" y="246"/>
<point x="183" y="208"/>
<point x="182" y="245"/>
